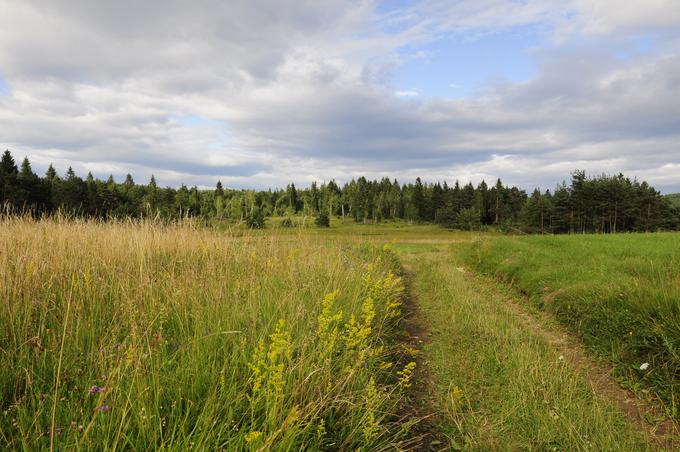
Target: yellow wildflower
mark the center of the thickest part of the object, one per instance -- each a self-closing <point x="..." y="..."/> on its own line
<point x="253" y="436"/>
<point x="405" y="375"/>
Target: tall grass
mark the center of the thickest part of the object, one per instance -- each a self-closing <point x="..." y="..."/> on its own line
<point x="143" y="336"/>
<point x="621" y="293"/>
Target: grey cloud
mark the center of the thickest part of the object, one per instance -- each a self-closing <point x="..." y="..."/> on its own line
<point x="300" y="90"/>
<point x="158" y="164"/>
<point x="101" y="39"/>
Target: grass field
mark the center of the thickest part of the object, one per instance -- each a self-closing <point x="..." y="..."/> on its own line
<point x="136" y="336"/>
<point x="143" y="336"/>
<point x="620" y="293"/>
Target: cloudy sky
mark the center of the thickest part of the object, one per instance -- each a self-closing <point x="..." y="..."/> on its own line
<point x="259" y="93"/>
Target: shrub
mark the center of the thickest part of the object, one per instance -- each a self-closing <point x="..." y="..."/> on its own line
<point x="446" y="217"/>
<point x="255" y="219"/>
<point x="322" y="220"/>
<point x="466" y="219"/>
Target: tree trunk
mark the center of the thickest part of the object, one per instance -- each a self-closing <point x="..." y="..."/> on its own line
<point x="497" y="206"/>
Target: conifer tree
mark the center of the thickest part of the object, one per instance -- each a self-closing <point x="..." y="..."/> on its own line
<point x="418" y="200"/>
<point x="219" y="191"/>
<point x="7" y="164"/>
<point x="51" y="173"/>
<point x="8" y="181"/>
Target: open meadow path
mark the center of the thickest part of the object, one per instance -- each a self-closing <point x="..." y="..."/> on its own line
<point x="499" y="378"/>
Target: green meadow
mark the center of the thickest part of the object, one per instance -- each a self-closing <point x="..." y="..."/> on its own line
<point x="137" y="335"/>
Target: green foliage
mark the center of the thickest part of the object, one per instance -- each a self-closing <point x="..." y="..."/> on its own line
<point x="674" y="199"/>
<point x="446" y="217"/>
<point x="604" y="204"/>
<point x="255" y="218"/>
<point x="322" y="220"/>
<point x="537" y="212"/>
<point x="618" y="292"/>
<point x="466" y="220"/>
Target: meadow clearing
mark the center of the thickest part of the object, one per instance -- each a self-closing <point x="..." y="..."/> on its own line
<point x="144" y="336"/>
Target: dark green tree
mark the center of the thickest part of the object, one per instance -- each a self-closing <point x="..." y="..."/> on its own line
<point x="255" y="219"/>
<point x="322" y="220"/>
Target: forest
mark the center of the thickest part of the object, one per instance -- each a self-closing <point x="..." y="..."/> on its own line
<point x="604" y="203"/>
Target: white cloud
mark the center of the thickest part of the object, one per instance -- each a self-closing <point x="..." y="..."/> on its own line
<point x="408" y="93"/>
<point x="608" y="16"/>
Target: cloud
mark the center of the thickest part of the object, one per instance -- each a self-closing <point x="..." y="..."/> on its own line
<point x="609" y="16"/>
<point x="408" y="93"/>
<point x="259" y="93"/>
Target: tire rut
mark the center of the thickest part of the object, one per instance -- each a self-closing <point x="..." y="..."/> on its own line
<point x="645" y="414"/>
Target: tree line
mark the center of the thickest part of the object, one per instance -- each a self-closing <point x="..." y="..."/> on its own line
<point x="596" y="204"/>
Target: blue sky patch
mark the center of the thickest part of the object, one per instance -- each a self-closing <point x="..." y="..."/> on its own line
<point x="193" y="120"/>
<point x="457" y="66"/>
<point x="4" y="87"/>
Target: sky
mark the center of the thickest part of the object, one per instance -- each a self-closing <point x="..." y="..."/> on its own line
<point x="261" y="93"/>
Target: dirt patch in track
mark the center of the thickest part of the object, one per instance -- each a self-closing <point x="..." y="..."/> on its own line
<point x="422" y="406"/>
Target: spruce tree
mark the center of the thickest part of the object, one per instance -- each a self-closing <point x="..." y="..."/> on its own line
<point x="9" y="189"/>
<point x="293" y="197"/>
<point x="219" y="191"/>
<point x="7" y="164"/>
<point x="29" y="193"/>
<point x="51" y="173"/>
<point x="418" y="200"/>
<point x="26" y="170"/>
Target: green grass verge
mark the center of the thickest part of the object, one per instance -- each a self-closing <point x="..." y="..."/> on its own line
<point x="620" y="293"/>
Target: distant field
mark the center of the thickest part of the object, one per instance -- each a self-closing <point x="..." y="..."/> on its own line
<point x="138" y="336"/>
<point x="621" y="293"/>
<point x="389" y="232"/>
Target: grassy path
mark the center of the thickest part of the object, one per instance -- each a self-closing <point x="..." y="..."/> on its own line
<point x="498" y="383"/>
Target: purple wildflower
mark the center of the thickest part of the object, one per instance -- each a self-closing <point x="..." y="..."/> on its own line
<point x="97" y="389"/>
<point x="104" y="408"/>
